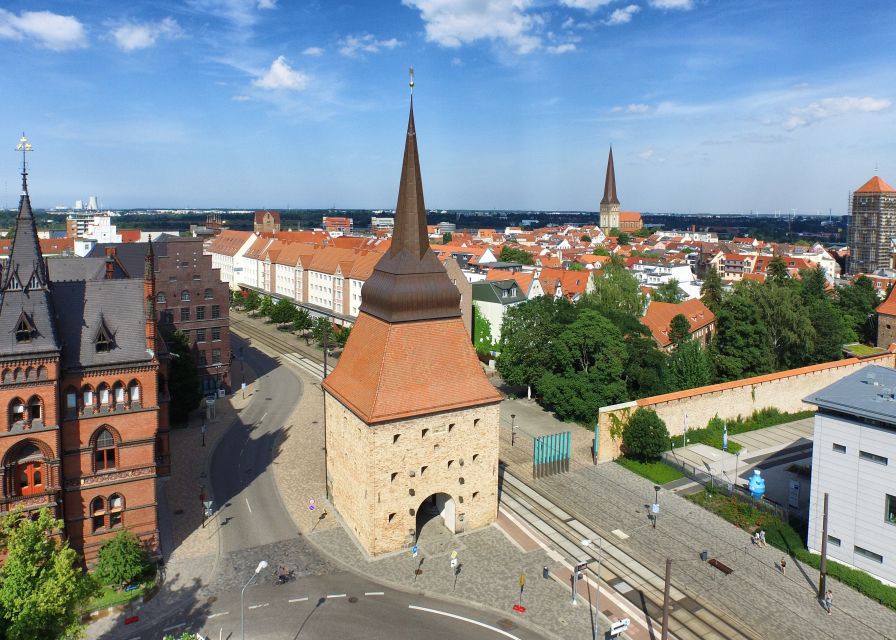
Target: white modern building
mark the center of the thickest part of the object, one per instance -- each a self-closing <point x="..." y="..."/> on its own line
<point x="854" y="462"/>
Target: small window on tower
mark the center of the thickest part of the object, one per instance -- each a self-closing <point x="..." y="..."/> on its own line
<point x="24" y="329"/>
<point x="103" y="342"/>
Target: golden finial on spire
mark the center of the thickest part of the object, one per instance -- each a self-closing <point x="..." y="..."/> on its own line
<point x="411" y="83"/>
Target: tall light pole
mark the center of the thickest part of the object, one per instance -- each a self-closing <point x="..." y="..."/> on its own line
<point x="512" y="428"/>
<point x="600" y="558"/>
<point x="656" y="503"/>
<point x="261" y="565"/>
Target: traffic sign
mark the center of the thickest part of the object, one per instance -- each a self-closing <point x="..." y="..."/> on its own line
<point x="311" y="504"/>
<point x="619" y="626"/>
<point x="522" y="581"/>
<point x="453" y="563"/>
<point x="414" y="551"/>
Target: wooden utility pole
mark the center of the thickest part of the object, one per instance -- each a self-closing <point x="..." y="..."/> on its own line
<point x="665" y="635"/>
<point x="823" y="567"/>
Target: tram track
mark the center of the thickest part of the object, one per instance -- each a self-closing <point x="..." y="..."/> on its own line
<point x="278" y="347"/>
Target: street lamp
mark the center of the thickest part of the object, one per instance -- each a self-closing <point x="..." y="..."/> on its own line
<point x="512" y="428"/>
<point x="600" y="557"/>
<point x="655" y="509"/>
<point x="261" y="565"/>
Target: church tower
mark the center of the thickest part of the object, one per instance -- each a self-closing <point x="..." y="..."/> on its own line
<point x="609" y="205"/>
<point x="411" y="419"/>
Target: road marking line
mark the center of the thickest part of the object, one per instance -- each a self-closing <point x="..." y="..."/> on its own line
<point x="457" y="617"/>
<point x="336" y="595"/>
<point x="373" y="593"/>
<point x="248" y="505"/>
<point x="298" y="599"/>
<point x="259" y="606"/>
<point x="177" y="626"/>
<point x="263" y="416"/>
<point x="215" y="615"/>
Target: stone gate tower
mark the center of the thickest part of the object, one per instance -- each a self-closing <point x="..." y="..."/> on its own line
<point x="411" y="419"/>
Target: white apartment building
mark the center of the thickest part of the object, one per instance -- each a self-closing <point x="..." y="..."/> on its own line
<point x="226" y="249"/>
<point x="854" y="462"/>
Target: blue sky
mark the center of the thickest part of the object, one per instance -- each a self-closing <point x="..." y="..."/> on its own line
<point x="710" y="105"/>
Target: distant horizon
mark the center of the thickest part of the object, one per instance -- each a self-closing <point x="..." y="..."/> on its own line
<point x="721" y="107"/>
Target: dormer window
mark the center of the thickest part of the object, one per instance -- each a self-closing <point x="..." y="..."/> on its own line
<point x="24" y="329"/>
<point x="14" y="284"/>
<point x="103" y="342"/>
<point x="35" y="282"/>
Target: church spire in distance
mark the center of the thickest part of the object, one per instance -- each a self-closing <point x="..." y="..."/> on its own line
<point x="409" y="283"/>
<point x="610" y="183"/>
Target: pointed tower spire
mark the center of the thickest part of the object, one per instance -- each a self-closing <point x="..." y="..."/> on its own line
<point x="409" y="283"/>
<point x="26" y="267"/>
<point x="610" y="183"/>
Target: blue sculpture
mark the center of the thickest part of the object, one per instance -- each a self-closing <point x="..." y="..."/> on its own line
<point x="757" y="485"/>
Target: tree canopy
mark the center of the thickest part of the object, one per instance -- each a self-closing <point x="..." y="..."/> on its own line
<point x="668" y="291"/>
<point x="515" y="254"/>
<point x="645" y="436"/>
<point x="284" y="311"/>
<point x="183" y="377"/>
<point x="122" y="560"/>
<point x="617" y="289"/>
<point x="712" y="290"/>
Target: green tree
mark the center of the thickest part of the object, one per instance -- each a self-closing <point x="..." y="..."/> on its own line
<point x="777" y="271"/>
<point x="302" y="321"/>
<point x="42" y="587"/>
<point x="253" y="301"/>
<point x="482" y="332"/>
<point x="237" y="300"/>
<point x="183" y="377"/>
<point x="527" y="336"/>
<point x="585" y="238"/>
<point x="515" y="254"/>
<point x="624" y="239"/>
<point x="742" y="344"/>
<point x="857" y="301"/>
<point x="600" y="251"/>
<point x="679" y="329"/>
<point x="643" y="232"/>
<point x="668" y="292"/>
<point x="645" y="363"/>
<point x="266" y="306"/>
<point x="322" y="331"/>
<point x="784" y="315"/>
<point x="122" y="560"/>
<point x="645" y="437"/>
<point x="587" y="365"/>
<point x="447" y="237"/>
<point x="813" y="284"/>
<point x="830" y="328"/>
<point x="617" y="289"/>
<point x="711" y="290"/>
<point x="575" y="266"/>
<point x="283" y="312"/>
<point x="342" y="336"/>
<point x="689" y="367"/>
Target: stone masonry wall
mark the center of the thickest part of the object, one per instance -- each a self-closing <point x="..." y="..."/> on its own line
<point x="784" y="391"/>
<point x="455" y="453"/>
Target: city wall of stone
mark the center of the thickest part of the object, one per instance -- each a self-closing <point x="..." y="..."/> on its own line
<point x="784" y="391"/>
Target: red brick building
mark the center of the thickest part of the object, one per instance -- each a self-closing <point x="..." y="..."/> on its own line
<point x="84" y="388"/>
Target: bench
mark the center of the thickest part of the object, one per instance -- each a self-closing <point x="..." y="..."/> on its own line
<point x="721" y="566"/>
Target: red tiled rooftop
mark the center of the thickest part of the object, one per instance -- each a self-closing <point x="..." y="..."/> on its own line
<point x="875" y="185"/>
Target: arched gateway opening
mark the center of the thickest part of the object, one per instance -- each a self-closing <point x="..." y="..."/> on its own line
<point x="436" y="512"/>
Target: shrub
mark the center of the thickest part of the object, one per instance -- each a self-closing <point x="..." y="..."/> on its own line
<point x="121" y="560"/>
<point x="645" y="436"/>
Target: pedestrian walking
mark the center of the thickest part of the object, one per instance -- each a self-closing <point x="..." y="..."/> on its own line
<point x="762" y="537"/>
<point x="784" y="566"/>
<point x="756" y="538"/>
<point x="828" y="600"/>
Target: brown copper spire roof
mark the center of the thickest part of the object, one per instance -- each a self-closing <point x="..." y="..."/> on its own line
<point x="610" y="183"/>
<point x="409" y="283"/>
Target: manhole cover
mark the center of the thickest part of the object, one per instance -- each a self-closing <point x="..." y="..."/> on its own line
<point x="352" y="599"/>
<point x="506" y="624"/>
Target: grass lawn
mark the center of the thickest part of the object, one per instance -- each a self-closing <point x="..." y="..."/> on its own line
<point x="859" y="350"/>
<point x="110" y="596"/>
<point x="657" y="472"/>
<point x="782" y="536"/>
<point x="712" y="434"/>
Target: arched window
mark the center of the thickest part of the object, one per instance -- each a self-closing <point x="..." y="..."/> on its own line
<point x="87" y="397"/>
<point x="116" y="510"/>
<point x="35" y="409"/>
<point x="16" y="411"/>
<point x="29" y="373"/>
<point x="185" y="296"/>
<point x="104" y="395"/>
<point x="98" y="513"/>
<point x="209" y="294"/>
<point x="119" y="395"/>
<point x="160" y="298"/>
<point x="7" y="376"/>
<point x="41" y="373"/>
<point x="19" y="374"/>
<point x="29" y="471"/>
<point x="104" y="451"/>
<point x="71" y="402"/>
<point x="134" y="391"/>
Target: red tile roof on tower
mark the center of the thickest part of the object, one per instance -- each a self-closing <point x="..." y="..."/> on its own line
<point x="259" y="216"/>
<point x="888" y="306"/>
<point x="875" y="185"/>
<point x="659" y="316"/>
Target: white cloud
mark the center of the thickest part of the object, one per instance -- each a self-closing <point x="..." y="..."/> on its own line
<point x="452" y="23"/>
<point x="240" y="98"/>
<point x="566" y="47"/>
<point x="830" y="107"/>
<point x="647" y="154"/>
<point x="632" y="108"/>
<point x="267" y="4"/>
<point x="623" y="15"/>
<point x="313" y="51"/>
<point x="132" y="36"/>
<point x="282" y="76"/>
<point x="456" y="62"/>
<point x="51" y="30"/>
<point x="353" y="46"/>
<point x="587" y="5"/>
<point x="684" y="5"/>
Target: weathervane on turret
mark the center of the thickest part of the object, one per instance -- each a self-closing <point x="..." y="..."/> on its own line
<point x="411" y="83"/>
<point x="24" y="146"/>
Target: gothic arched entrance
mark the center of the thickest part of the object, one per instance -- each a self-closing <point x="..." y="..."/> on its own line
<point x="438" y="506"/>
